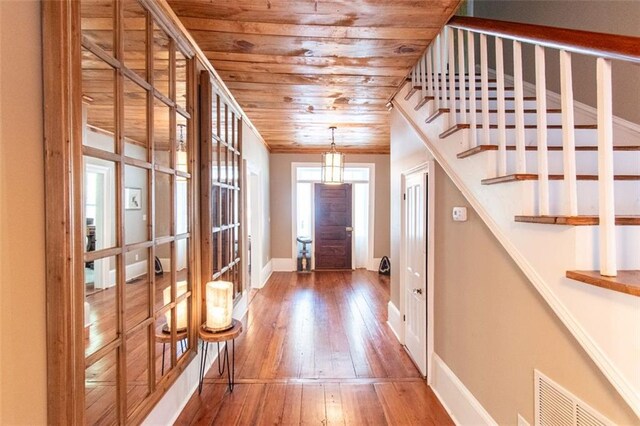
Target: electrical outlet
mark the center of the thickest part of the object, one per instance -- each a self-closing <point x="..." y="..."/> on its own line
<point x="144" y="217"/>
<point x="137" y="257"/>
<point x="459" y="214"/>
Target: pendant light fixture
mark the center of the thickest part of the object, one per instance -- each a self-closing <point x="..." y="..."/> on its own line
<point x="181" y="153"/>
<point x="333" y="163"/>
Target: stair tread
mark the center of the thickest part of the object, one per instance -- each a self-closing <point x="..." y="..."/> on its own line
<point x="625" y="282"/>
<point x="436" y="114"/>
<point x="515" y="177"/>
<point x="582" y="220"/>
<point x="490" y="147"/>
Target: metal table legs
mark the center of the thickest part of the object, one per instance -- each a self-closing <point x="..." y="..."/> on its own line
<point x="231" y="368"/>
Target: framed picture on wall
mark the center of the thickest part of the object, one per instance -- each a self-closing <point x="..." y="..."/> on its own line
<point x="132" y="198"/>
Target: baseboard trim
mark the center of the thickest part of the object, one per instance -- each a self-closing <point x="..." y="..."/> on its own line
<point x="170" y="406"/>
<point x="266" y="273"/>
<point x="395" y="321"/>
<point x="374" y="264"/>
<point x="283" y="265"/>
<point x="459" y="402"/>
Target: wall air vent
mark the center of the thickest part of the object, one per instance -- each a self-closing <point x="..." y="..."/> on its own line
<point x="554" y="405"/>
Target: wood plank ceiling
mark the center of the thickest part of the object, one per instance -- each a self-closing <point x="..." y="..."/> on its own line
<point x="299" y="66"/>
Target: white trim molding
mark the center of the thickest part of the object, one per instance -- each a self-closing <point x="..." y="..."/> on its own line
<point x="394" y="319"/>
<point x="459" y="402"/>
<point x="374" y="264"/>
<point x="266" y="273"/>
<point x="284" y="264"/>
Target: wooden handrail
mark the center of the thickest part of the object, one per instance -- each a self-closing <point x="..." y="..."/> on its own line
<point x="610" y="46"/>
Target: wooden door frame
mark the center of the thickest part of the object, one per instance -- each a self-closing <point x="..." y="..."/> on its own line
<point x="427" y="168"/>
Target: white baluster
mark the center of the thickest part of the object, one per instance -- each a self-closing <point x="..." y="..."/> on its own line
<point x="453" y="119"/>
<point x="605" y="171"/>
<point x="521" y="160"/>
<point x="429" y="57"/>
<point x="473" y="140"/>
<point x="484" y="89"/>
<point x="436" y="68"/>
<point x="462" y="78"/>
<point x="502" y="119"/>
<point x="568" y="133"/>
<point x="444" y="61"/>
<point x="423" y="76"/>
<point x="543" y="158"/>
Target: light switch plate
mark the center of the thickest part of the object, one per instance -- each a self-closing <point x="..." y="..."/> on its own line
<point x="459" y="214"/>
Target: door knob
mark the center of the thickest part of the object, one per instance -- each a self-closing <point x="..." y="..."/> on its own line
<point x="349" y="228"/>
<point x="417" y="291"/>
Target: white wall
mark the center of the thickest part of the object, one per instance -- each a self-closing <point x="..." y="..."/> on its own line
<point x="257" y="155"/>
<point x="407" y="151"/>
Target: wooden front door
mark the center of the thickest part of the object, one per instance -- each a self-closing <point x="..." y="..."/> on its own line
<point x="333" y="226"/>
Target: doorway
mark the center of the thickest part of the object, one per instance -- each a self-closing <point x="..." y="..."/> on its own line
<point x="254" y="226"/>
<point x="361" y="177"/>
<point x="333" y="226"/>
<point x="417" y="265"/>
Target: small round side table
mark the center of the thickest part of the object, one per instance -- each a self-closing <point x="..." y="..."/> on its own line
<point x="164" y="337"/>
<point x="218" y="337"/>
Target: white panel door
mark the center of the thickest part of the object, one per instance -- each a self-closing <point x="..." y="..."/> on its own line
<point x="415" y="268"/>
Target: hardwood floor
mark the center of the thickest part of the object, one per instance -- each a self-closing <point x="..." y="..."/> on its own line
<point x="317" y="350"/>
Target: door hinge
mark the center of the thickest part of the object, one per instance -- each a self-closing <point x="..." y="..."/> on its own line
<point x="404" y="197"/>
<point x="404" y="318"/>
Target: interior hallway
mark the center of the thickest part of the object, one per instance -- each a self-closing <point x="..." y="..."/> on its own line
<point x="316" y="349"/>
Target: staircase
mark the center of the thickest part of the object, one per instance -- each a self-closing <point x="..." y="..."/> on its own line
<point x="556" y="181"/>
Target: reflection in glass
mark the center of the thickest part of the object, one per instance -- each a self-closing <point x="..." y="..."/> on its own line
<point x="100" y="391"/>
<point x="182" y="158"/>
<point x="182" y="206"/>
<point x="97" y="23"/>
<point x="182" y="344"/>
<point x="135" y="120"/>
<point x="98" y="110"/>
<point x="162" y="133"/>
<point x="163" y="278"/>
<point x="135" y="37"/>
<point x="137" y="367"/>
<point x="100" y="303"/>
<point x="99" y="204"/>
<point x="136" y="290"/>
<point x="163" y="204"/>
<point x="215" y="116"/>
<point x="215" y="164"/>
<point x="163" y="346"/>
<point x="136" y="206"/>
<point x="181" y="80"/>
<point x="161" y="44"/>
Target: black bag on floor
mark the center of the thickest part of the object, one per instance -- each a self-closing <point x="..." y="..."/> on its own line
<point x="385" y="266"/>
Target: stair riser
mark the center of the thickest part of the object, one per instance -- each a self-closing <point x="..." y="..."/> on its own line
<point x="588" y="197"/>
<point x="585" y="137"/>
<point x="627" y="246"/>
<point x="508" y="104"/>
<point x="624" y="162"/>
<point x="554" y="118"/>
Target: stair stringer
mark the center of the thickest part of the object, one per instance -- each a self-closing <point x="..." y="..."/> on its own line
<point x="605" y="323"/>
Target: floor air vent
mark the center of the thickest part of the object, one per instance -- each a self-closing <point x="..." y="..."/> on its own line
<point x="556" y="406"/>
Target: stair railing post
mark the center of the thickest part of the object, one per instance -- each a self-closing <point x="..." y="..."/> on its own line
<point x="484" y="90"/>
<point x="521" y="159"/>
<point x="502" y="119"/>
<point x="453" y="119"/>
<point x="462" y="85"/>
<point x="568" y="133"/>
<point x="607" y="228"/>
<point x="471" y="65"/>
<point x="541" y="114"/>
